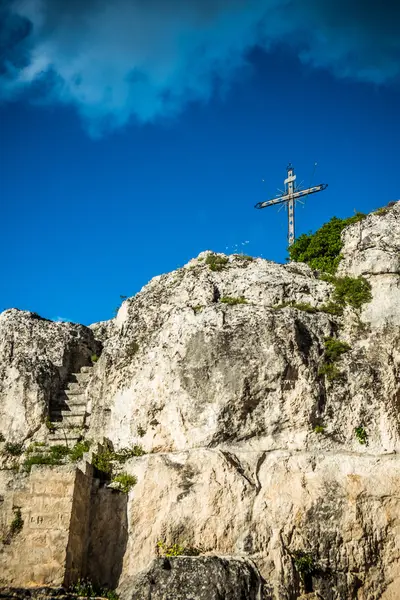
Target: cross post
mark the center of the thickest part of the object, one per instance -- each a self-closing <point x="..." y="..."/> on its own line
<point x="289" y="198"/>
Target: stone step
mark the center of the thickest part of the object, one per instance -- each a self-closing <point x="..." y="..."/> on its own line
<point x="70" y="398"/>
<point x="68" y="403"/>
<point x="70" y="440"/>
<point x="82" y="377"/>
<point x="74" y="388"/>
<point x="69" y="420"/>
<point x="77" y="411"/>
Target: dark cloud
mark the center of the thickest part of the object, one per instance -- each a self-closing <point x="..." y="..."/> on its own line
<point x="121" y="59"/>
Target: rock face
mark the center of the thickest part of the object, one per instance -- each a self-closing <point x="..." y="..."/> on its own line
<point x="372" y="249"/>
<point x="195" y="578"/>
<point x="254" y="458"/>
<point x="36" y="356"/>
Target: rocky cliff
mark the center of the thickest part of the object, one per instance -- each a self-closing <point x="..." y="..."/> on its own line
<point x="260" y="423"/>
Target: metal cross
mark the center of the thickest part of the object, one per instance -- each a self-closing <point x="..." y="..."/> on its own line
<point x="289" y="197"/>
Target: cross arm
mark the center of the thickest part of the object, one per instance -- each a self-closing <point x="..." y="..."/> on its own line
<point x="294" y="196"/>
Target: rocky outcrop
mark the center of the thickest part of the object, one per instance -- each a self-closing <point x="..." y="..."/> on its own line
<point x="36" y="357"/>
<point x="339" y="509"/>
<point x="200" y="578"/>
<point x="372" y="249"/>
<point x="254" y="455"/>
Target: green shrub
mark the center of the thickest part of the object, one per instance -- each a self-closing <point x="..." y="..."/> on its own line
<point x="103" y="462"/>
<point x="17" y="523"/>
<point x="330" y="371"/>
<point x="361" y="435"/>
<point x="232" y="301"/>
<point x="319" y="429"/>
<point x="304" y="306"/>
<point x="50" y="426"/>
<point x="55" y="455"/>
<point x="332" y="308"/>
<point x="353" y="291"/>
<point x="383" y="210"/>
<point x="126" y="482"/>
<point x="13" y="449"/>
<point x="39" y="459"/>
<point x="215" y="262"/>
<point x="304" y="563"/>
<point x="84" y="588"/>
<point x="141" y="431"/>
<point x="94" y="358"/>
<point x="59" y="452"/>
<point x="321" y="250"/>
<point x="122" y="455"/>
<point x="76" y="453"/>
<point x="334" y="349"/>
<point x="177" y="550"/>
<point x="245" y="257"/>
<point x="132" y="349"/>
<point x="198" y="308"/>
<point x="16" y="527"/>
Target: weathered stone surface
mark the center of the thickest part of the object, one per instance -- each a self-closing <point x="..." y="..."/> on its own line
<point x="195" y="578"/>
<point x="225" y="399"/>
<point x="342" y="509"/>
<point x="36" y="356"/>
<point x="182" y="369"/>
<point x="372" y="249"/>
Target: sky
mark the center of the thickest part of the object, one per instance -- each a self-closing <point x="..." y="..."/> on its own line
<point x="136" y="134"/>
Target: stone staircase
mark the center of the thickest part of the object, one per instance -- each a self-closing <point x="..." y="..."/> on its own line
<point x="68" y="412"/>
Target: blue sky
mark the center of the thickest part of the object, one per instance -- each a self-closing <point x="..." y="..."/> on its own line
<point x="99" y="197"/>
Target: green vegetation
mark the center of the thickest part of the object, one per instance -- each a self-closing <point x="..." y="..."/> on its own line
<point x="383" y="210"/>
<point x="319" y="429"/>
<point x="15" y="527"/>
<point x="55" y="455"/>
<point x="232" y="301"/>
<point x="198" y="308"/>
<point x="50" y="426"/>
<point x="333" y="351"/>
<point x="321" y="250"/>
<point x="2" y="438"/>
<point x="361" y="435"/>
<point x="332" y="308"/>
<point x="177" y="550"/>
<point x="353" y="291"/>
<point x="125" y="481"/>
<point x="245" y="257"/>
<point x="13" y="449"/>
<point x="215" y="262"/>
<point x="76" y="453"/>
<point x="132" y="349"/>
<point x="141" y="431"/>
<point x="104" y="461"/>
<point x="84" y="588"/>
<point x="299" y="305"/>
<point x="94" y="358"/>
<point x="17" y="523"/>
<point x="304" y="563"/>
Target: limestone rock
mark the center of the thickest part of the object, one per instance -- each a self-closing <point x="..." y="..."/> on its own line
<point x="195" y="578"/>
<point x="36" y="356"/>
<point x="252" y="452"/>
<point x="372" y="249"/>
<point x="341" y="509"/>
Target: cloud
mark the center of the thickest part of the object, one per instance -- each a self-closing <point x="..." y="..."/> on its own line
<point x="119" y="60"/>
